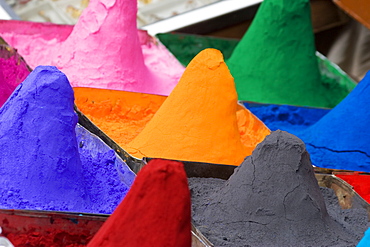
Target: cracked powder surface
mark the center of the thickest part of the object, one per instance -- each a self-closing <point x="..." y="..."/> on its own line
<point x="340" y="140"/>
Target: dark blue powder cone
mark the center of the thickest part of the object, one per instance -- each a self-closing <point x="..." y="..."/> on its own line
<point x="40" y="166"/>
<point x="341" y="139"/>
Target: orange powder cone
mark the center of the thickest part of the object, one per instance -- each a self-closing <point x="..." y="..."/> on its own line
<point x="155" y="212"/>
<point x="123" y="115"/>
<point x="197" y="122"/>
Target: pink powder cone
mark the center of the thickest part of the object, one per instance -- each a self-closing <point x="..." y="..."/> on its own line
<point x="103" y="50"/>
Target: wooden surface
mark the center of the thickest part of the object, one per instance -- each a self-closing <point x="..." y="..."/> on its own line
<point x="325" y="15"/>
<point x="358" y="9"/>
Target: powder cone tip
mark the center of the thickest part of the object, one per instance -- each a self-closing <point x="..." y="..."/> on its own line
<point x="37" y="130"/>
<point x="162" y="184"/>
<point x="276" y="57"/>
<point x="197" y="122"/>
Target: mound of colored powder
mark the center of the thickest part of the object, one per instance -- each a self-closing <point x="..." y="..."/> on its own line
<point x="103" y="50"/>
<point x="121" y="115"/>
<point x="40" y="160"/>
<point x="292" y="119"/>
<point x="155" y="212"/>
<point x="275" y="61"/>
<point x="340" y="140"/>
<point x="355" y="218"/>
<point x="39" y="157"/>
<point x="360" y="183"/>
<point x="108" y="60"/>
<point x="273" y="199"/>
<point x="198" y="121"/>
<point x="13" y="70"/>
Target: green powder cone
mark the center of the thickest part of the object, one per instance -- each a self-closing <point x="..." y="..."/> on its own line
<point x="275" y="61"/>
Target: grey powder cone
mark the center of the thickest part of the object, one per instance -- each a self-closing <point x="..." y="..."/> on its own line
<point x="274" y="197"/>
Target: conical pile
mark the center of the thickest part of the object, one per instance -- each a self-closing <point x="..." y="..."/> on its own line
<point x="155" y="212"/>
<point x="39" y="159"/>
<point x="117" y="60"/>
<point x="104" y="49"/>
<point x="123" y="115"/>
<point x="197" y="122"/>
<point x="275" y="61"/>
<point x="340" y="140"/>
<point x="273" y="198"/>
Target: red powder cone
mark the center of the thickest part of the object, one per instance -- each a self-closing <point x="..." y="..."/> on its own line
<point x="155" y="212"/>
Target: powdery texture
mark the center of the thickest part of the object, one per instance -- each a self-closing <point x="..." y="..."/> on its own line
<point x="162" y="64"/>
<point x="155" y="212"/>
<point x="123" y="115"/>
<point x="107" y="177"/>
<point x="104" y="50"/>
<point x="202" y="190"/>
<point x="340" y="140"/>
<point x="52" y="239"/>
<point x="274" y="198"/>
<point x="198" y="122"/>
<point x="108" y="61"/>
<point x="13" y="70"/>
<point x="292" y="119"/>
<point x="55" y="170"/>
<point x="251" y="129"/>
<point x="275" y="61"/>
<point x="39" y="159"/>
<point x="360" y="183"/>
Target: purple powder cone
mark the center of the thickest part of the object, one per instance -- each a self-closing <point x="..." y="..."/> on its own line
<point x="40" y="164"/>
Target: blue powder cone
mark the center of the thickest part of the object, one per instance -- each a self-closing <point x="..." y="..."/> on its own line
<point x="40" y="166"/>
<point x="341" y="139"/>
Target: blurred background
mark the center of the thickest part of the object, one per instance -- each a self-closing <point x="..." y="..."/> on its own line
<point x="341" y="27"/>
